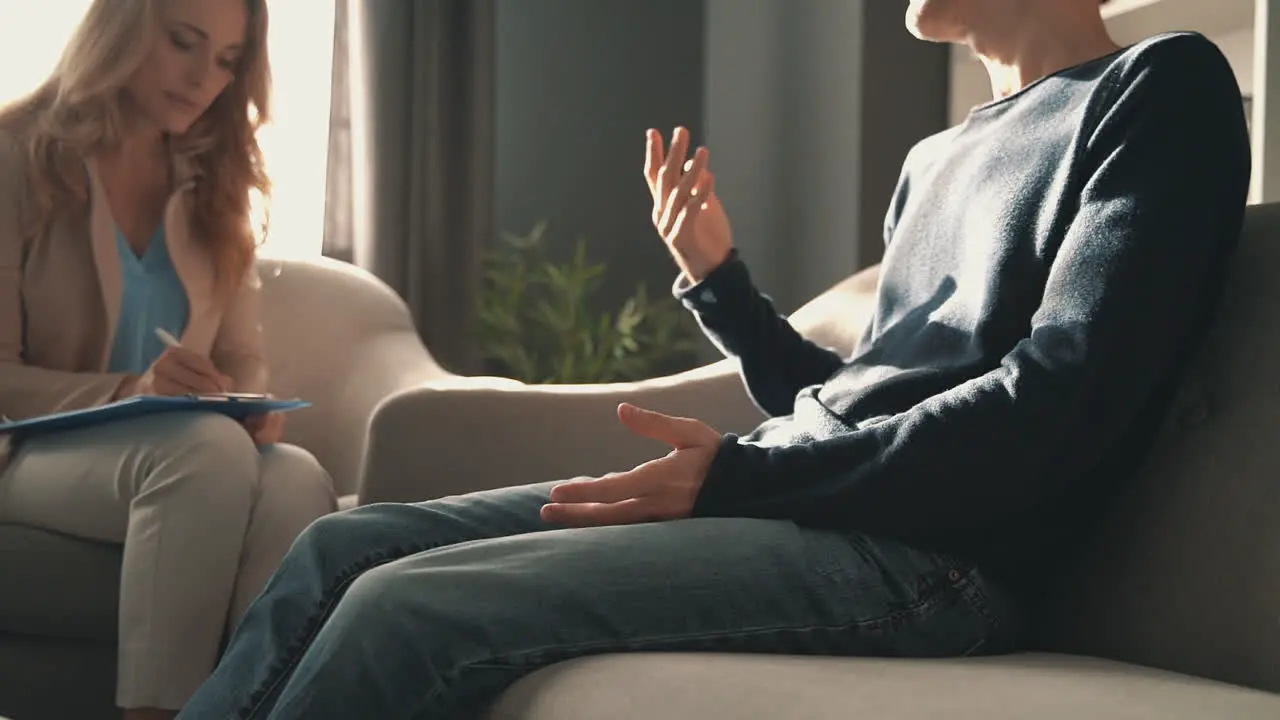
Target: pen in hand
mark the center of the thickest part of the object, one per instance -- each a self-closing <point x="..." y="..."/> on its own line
<point x="173" y="343"/>
<point x="167" y="338"/>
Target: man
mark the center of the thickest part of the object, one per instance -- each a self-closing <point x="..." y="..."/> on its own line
<point x="1050" y="264"/>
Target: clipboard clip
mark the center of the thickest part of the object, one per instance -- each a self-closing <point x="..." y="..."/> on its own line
<point x="228" y="397"/>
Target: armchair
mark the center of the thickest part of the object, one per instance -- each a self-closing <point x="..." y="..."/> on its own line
<point x="335" y="336"/>
<point x="343" y="340"/>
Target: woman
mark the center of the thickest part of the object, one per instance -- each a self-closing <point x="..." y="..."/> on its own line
<point x="125" y="183"/>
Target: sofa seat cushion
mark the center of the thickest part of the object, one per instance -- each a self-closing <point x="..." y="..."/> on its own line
<point x="57" y="586"/>
<point x="687" y="686"/>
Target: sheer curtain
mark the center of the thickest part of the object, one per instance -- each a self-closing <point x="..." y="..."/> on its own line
<point x="31" y="40"/>
<point x="412" y="157"/>
<point x="297" y="141"/>
<point x="295" y="144"/>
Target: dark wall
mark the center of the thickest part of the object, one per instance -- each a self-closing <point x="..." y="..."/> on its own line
<point x="905" y="87"/>
<point x="811" y="108"/>
<point x="578" y="82"/>
<point x="784" y="98"/>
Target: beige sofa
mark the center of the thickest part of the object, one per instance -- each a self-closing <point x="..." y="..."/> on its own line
<point x="1174" y="616"/>
<point x="1174" y="613"/>
<point x="337" y="337"/>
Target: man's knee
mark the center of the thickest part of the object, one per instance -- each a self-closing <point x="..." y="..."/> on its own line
<point x="351" y="539"/>
<point x="395" y="598"/>
<point x="366" y="537"/>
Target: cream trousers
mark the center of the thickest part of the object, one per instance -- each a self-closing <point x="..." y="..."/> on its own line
<point x="204" y="517"/>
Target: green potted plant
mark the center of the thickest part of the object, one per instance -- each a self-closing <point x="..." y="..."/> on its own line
<point x="538" y="320"/>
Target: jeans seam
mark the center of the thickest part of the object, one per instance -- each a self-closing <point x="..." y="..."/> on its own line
<point x="971" y="591"/>
<point x="519" y="661"/>
<point x="919" y="608"/>
<point x="297" y="648"/>
<point x="328" y="600"/>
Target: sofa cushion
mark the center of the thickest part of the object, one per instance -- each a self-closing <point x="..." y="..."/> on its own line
<point x="57" y="586"/>
<point x="1185" y="572"/>
<point x="687" y="686"/>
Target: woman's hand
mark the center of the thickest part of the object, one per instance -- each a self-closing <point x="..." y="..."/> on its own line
<point x="686" y="211"/>
<point x="179" y="371"/>
<point x="265" y="429"/>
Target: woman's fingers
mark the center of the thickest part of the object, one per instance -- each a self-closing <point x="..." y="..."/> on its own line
<point x="174" y="379"/>
<point x="197" y="363"/>
<point x="265" y="429"/>
<point x="179" y="371"/>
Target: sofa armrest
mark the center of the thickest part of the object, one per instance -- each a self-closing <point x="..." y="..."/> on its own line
<point x="460" y="435"/>
<point x="345" y="395"/>
<point x="838" y="317"/>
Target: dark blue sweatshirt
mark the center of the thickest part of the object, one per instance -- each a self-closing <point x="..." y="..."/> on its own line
<point x="1050" y="265"/>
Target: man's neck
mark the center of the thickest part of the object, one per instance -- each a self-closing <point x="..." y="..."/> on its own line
<point x="1043" y="39"/>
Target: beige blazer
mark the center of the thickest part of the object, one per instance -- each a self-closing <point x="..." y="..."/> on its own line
<point x="60" y="297"/>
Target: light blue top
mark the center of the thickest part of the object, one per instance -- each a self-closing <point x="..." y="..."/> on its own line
<point x="153" y="298"/>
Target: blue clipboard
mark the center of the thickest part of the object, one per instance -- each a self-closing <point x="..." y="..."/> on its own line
<point x="235" y="407"/>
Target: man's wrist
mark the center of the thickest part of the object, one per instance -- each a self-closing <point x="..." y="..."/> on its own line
<point x="699" y="268"/>
<point x="719" y="472"/>
<point x="710" y="292"/>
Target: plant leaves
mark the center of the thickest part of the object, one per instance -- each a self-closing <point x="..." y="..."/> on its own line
<point x="538" y="320"/>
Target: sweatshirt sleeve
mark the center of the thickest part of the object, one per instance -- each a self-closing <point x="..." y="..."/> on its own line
<point x="1163" y="176"/>
<point x="776" y="361"/>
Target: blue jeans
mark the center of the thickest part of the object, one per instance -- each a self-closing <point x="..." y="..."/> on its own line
<point x="431" y="610"/>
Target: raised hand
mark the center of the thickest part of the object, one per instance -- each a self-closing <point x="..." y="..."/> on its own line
<point x="686" y="211"/>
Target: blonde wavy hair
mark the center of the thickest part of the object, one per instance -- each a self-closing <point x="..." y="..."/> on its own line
<point x="81" y="110"/>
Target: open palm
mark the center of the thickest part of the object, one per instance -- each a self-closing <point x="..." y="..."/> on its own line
<point x="686" y="210"/>
<point x="711" y="225"/>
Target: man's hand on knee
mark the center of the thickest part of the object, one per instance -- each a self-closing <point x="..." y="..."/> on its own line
<point x="661" y="489"/>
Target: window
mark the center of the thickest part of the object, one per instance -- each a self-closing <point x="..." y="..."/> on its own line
<point x="29" y="47"/>
<point x="296" y="144"/>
